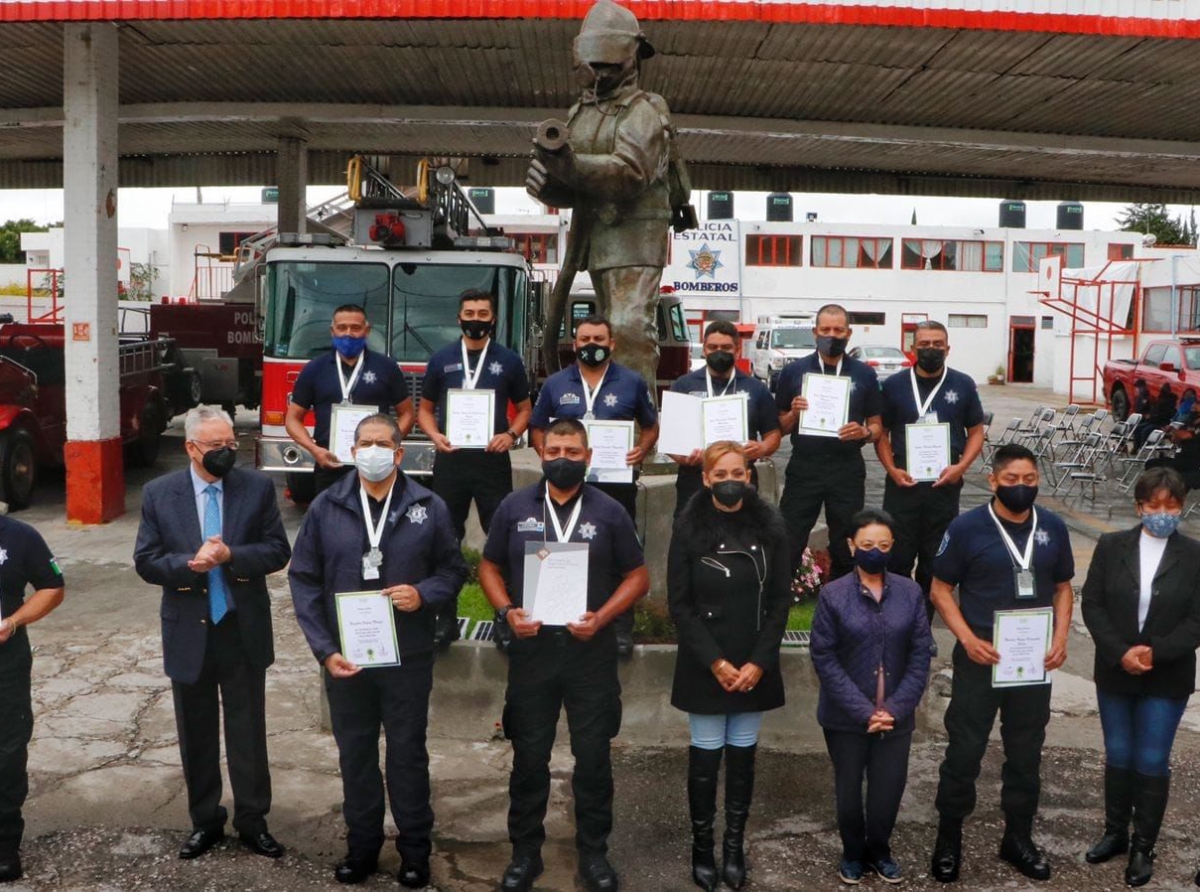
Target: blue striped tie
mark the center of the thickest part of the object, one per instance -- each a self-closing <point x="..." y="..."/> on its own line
<point x="218" y="589"/>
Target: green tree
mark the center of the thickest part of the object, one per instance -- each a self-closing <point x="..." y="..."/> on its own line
<point x="1153" y="219"/>
<point x="10" y="239"/>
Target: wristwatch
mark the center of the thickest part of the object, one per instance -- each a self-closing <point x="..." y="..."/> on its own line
<point x="502" y="614"/>
<point x="515" y="436"/>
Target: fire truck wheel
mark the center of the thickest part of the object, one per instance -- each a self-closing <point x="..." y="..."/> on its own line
<point x="144" y="450"/>
<point x="195" y="388"/>
<point x="18" y="470"/>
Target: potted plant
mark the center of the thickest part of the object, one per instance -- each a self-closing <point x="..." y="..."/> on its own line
<point x="998" y="376"/>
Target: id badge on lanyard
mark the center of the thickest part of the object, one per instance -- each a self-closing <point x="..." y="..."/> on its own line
<point x="1023" y="581"/>
<point x="1026" y="589"/>
<point x="926" y="414"/>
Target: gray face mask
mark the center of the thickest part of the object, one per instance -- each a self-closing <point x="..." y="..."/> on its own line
<point x="375" y="463"/>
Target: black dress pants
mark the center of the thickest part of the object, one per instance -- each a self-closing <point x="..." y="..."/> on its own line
<point x="922" y="513"/>
<point x="546" y="674"/>
<point x="1024" y="714"/>
<point x="228" y="683"/>
<point x="836" y="481"/>
<point x="396" y="698"/>
<point x="323" y="478"/>
<point x="16" y="729"/>
<point x="882" y="759"/>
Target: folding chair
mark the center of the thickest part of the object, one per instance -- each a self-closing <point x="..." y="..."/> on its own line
<point x="1089" y="474"/>
<point x="1042" y="447"/>
<point x="1044" y="416"/>
<point x="1082" y="460"/>
<point x="1006" y="436"/>
<point x="1066" y="423"/>
<point x="1156" y="444"/>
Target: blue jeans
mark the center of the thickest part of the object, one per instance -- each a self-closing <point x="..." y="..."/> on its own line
<point x="1139" y="731"/>
<point x="713" y="732"/>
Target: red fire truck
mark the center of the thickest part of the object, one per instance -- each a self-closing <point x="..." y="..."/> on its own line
<point x="413" y="256"/>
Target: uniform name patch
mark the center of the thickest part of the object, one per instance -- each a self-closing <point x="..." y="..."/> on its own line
<point x="531" y="525"/>
<point x="454" y="367"/>
<point x="569" y="399"/>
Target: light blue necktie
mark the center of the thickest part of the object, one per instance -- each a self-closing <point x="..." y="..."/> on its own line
<point x="218" y="589"/>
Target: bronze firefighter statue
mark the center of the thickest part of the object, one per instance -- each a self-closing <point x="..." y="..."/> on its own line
<point x="616" y="164"/>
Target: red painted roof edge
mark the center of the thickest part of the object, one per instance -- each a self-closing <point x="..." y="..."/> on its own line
<point x="648" y="10"/>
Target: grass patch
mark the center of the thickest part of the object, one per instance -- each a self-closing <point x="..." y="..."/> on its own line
<point x="801" y="615"/>
<point x="473" y="604"/>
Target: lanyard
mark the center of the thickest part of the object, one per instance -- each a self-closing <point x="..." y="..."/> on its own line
<point x="348" y="386"/>
<point x="923" y="407"/>
<point x="375" y="533"/>
<point x="589" y="396"/>
<point x="1023" y="562"/>
<point x="837" y="371"/>
<point x="469" y="380"/>
<point x="731" y="383"/>
<point x="571" y="521"/>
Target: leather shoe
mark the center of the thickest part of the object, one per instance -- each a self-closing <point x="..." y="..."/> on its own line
<point x="521" y="872"/>
<point x="200" y="842"/>
<point x="413" y="874"/>
<point x="262" y="844"/>
<point x="598" y="875"/>
<point x="10" y="868"/>
<point x="947" y="853"/>
<point x="355" y="868"/>
<point x="1021" y="853"/>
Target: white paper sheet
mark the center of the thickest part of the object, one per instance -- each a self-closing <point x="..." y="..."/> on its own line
<point x="343" y="420"/>
<point x="927" y="449"/>
<point x="556" y="582"/>
<point x="1022" y="637"/>
<point x="828" y="405"/>
<point x="470" y="416"/>
<point x="610" y="441"/>
<point x="367" y="628"/>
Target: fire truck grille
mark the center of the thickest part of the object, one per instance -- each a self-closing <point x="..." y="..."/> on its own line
<point x="414" y="381"/>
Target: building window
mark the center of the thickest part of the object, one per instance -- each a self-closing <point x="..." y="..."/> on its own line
<point x="1118" y="251"/>
<point x="1047" y="323"/>
<point x="229" y="242"/>
<point x="1156" y="309"/>
<point x="773" y="250"/>
<point x="851" y="253"/>
<point x="1027" y="255"/>
<point x="967" y="320"/>
<point x="964" y="256"/>
<point x="537" y="247"/>
<point x="868" y="318"/>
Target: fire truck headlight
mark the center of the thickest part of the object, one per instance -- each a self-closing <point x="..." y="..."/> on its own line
<point x="445" y="175"/>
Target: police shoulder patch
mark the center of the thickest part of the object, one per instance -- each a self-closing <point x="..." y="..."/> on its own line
<point x="945" y="544"/>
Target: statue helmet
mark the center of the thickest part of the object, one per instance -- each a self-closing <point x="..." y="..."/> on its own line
<point x="610" y="36"/>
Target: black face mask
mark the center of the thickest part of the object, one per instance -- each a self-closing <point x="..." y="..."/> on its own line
<point x="475" y="329"/>
<point x="720" y="361"/>
<point x="729" y="492"/>
<point x="1017" y="499"/>
<point x="593" y="355"/>
<point x="219" y="462"/>
<point x="931" y="359"/>
<point x="564" y="473"/>
<point x="831" y="346"/>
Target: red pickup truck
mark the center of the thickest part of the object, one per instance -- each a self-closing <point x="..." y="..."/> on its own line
<point x="1175" y="363"/>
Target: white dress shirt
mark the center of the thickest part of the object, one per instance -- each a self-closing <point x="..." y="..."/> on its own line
<point x="1150" y="552"/>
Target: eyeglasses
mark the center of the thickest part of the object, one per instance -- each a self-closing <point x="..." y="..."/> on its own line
<point x="217" y="444"/>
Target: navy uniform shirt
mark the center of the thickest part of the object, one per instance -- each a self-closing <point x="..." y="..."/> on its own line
<point x="502" y="372"/>
<point x="762" y="418"/>
<point x="973" y="557"/>
<point x="956" y="404"/>
<point x="25" y="560"/>
<point x="865" y="401"/>
<point x="603" y="525"/>
<point x="623" y="396"/>
<point x="381" y="383"/>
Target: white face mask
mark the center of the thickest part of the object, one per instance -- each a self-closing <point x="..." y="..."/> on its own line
<point x="375" y="463"/>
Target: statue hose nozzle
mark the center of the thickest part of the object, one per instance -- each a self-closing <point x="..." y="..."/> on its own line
<point x="552" y="135"/>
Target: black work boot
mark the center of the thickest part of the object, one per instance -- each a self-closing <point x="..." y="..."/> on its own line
<point x="10" y="865"/>
<point x="703" y="768"/>
<point x="739" y="790"/>
<point x="1018" y="848"/>
<point x="947" y="851"/>
<point x="1149" y="805"/>
<point x="1118" y="806"/>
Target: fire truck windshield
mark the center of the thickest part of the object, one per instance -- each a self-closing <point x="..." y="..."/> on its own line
<point x="415" y="316"/>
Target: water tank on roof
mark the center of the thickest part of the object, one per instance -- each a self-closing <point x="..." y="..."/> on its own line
<point x="720" y="205"/>
<point x="1070" y="215"/>
<point x="483" y="198"/>
<point x="1012" y="215"/>
<point x="779" y="207"/>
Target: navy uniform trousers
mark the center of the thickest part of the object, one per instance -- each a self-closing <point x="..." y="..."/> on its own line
<point x="16" y="729"/>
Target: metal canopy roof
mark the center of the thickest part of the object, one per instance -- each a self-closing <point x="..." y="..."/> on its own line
<point x="760" y="104"/>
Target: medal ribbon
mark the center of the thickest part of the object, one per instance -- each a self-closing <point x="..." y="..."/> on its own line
<point x="571" y="521"/>
<point x="470" y="380"/>
<point x="1024" y="562"/>
<point x="923" y="407"/>
<point x="348" y="386"/>
<point x="375" y="533"/>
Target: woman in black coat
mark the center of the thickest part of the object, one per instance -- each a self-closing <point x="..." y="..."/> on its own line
<point x="1142" y="607"/>
<point x="729" y="589"/>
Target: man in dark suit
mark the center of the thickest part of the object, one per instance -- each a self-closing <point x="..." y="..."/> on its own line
<point x="209" y="536"/>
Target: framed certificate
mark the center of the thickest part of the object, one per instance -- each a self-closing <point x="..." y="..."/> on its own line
<point x="1022" y="638"/>
<point x="556" y="582"/>
<point x="470" y="418"/>
<point x="927" y="450"/>
<point x="610" y="441"/>
<point x="343" y="421"/>
<point x="828" y="405"/>
<point x="367" y="629"/>
<point x="724" y="418"/>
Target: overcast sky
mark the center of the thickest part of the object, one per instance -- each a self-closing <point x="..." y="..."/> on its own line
<point x="150" y="207"/>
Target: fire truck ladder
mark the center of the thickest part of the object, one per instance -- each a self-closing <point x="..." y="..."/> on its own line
<point x="1090" y="302"/>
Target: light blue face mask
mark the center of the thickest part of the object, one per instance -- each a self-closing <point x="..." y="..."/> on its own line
<point x="1161" y="525"/>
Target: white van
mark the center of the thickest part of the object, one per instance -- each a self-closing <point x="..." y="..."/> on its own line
<point x="779" y="340"/>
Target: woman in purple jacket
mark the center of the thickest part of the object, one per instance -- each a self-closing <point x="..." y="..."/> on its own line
<point x="870" y="647"/>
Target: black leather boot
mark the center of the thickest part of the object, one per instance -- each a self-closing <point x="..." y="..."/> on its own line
<point x="739" y="790"/>
<point x="1118" y="806"/>
<point x="1149" y="805"/>
<point x="1018" y="848"/>
<point x="703" y="768"/>
<point x="947" y="851"/>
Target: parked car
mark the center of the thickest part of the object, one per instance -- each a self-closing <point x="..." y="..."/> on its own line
<point x="886" y="361"/>
<point x="778" y="343"/>
<point x="1175" y="363"/>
